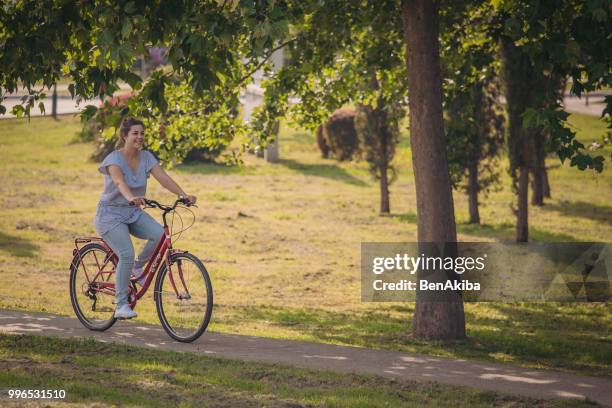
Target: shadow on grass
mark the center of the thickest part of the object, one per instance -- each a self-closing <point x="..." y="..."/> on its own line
<point x="595" y="212"/>
<point x="507" y="232"/>
<point x="330" y="171"/>
<point x="533" y="334"/>
<point x="369" y="330"/>
<point x="17" y="246"/>
<point x="410" y="218"/>
<point x="75" y="364"/>
<point x="504" y="231"/>
<point x="549" y="316"/>
<point x="545" y="334"/>
<point x="94" y="373"/>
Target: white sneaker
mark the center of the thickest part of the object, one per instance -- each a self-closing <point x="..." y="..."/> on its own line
<point x="125" y="312"/>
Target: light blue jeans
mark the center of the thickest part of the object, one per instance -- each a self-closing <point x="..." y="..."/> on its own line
<point x="118" y="238"/>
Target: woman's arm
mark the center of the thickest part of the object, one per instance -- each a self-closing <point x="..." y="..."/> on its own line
<point x="166" y="181"/>
<point x="117" y="176"/>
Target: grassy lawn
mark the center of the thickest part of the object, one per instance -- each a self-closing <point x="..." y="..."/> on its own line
<point x="92" y="372"/>
<point x="282" y="244"/>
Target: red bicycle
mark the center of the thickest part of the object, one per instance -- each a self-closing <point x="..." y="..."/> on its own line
<point x="183" y="292"/>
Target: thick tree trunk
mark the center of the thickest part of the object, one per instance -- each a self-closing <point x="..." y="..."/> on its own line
<point x="473" y="193"/>
<point x="433" y="319"/>
<point x="384" y="191"/>
<point x="522" y="214"/>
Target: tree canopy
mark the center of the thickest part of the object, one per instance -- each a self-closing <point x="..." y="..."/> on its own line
<point x="213" y="46"/>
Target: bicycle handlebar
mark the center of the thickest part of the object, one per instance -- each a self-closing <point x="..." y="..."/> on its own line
<point x="166" y="208"/>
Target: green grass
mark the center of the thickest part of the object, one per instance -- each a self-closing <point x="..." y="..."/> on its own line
<point x="282" y="243"/>
<point x="92" y="372"/>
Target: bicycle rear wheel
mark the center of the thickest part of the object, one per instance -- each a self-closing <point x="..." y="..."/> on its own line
<point x="184" y="297"/>
<point x="92" y="293"/>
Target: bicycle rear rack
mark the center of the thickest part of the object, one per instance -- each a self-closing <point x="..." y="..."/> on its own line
<point x="79" y="241"/>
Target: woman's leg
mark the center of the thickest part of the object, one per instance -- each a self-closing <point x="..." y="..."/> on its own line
<point x="145" y="227"/>
<point x="119" y="240"/>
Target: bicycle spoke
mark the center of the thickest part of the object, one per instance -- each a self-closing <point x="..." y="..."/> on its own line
<point x="97" y="262"/>
<point x="85" y="271"/>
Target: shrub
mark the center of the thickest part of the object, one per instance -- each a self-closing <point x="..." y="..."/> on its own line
<point x="337" y="138"/>
<point x="173" y="135"/>
<point x="204" y="154"/>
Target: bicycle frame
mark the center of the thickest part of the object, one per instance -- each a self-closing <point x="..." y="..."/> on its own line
<point x="162" y="253"/>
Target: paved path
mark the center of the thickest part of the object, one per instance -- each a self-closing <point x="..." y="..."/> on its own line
<point x="579" y="105"/>
<point x="398" y="365"/>
<point x="65" y="105"/>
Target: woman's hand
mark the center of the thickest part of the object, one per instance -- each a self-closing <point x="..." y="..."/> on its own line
<point x="191" y="198"/>
<point x="139" y="201"/>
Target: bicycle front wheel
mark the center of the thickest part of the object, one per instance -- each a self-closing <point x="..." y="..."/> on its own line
<point x="184" y="297"/>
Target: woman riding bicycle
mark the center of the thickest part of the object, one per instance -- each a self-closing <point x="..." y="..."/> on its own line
<point x="119" y="211"/>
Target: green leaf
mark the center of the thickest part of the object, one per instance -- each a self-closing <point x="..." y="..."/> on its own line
<point x="88" y="112"/>
<point x="18" y="111"/>
<point x="105" y="39"/>
<point x="127" y="28"/>
<point x="130" y="7"/>
<point x="133" y="80"/>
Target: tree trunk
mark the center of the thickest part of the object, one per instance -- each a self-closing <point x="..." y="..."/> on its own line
<point x="522" y="214"/>
<point x="433" y="319"/>
<point x="537" y="182"/>
<point x="379" y="117"/>
<point x="519" y="84"/>
<point x="384" y="191"/>
<point x="473" y="193"/>
<point x="545" y="182"/>
<point x="384" y="137"/>
<point x="475" y="140"/>
<point x="555" y="93"/>
<point x="537" y="186"/>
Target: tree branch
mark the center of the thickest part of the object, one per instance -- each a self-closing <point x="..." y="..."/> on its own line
<point x="249" y="74"/>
